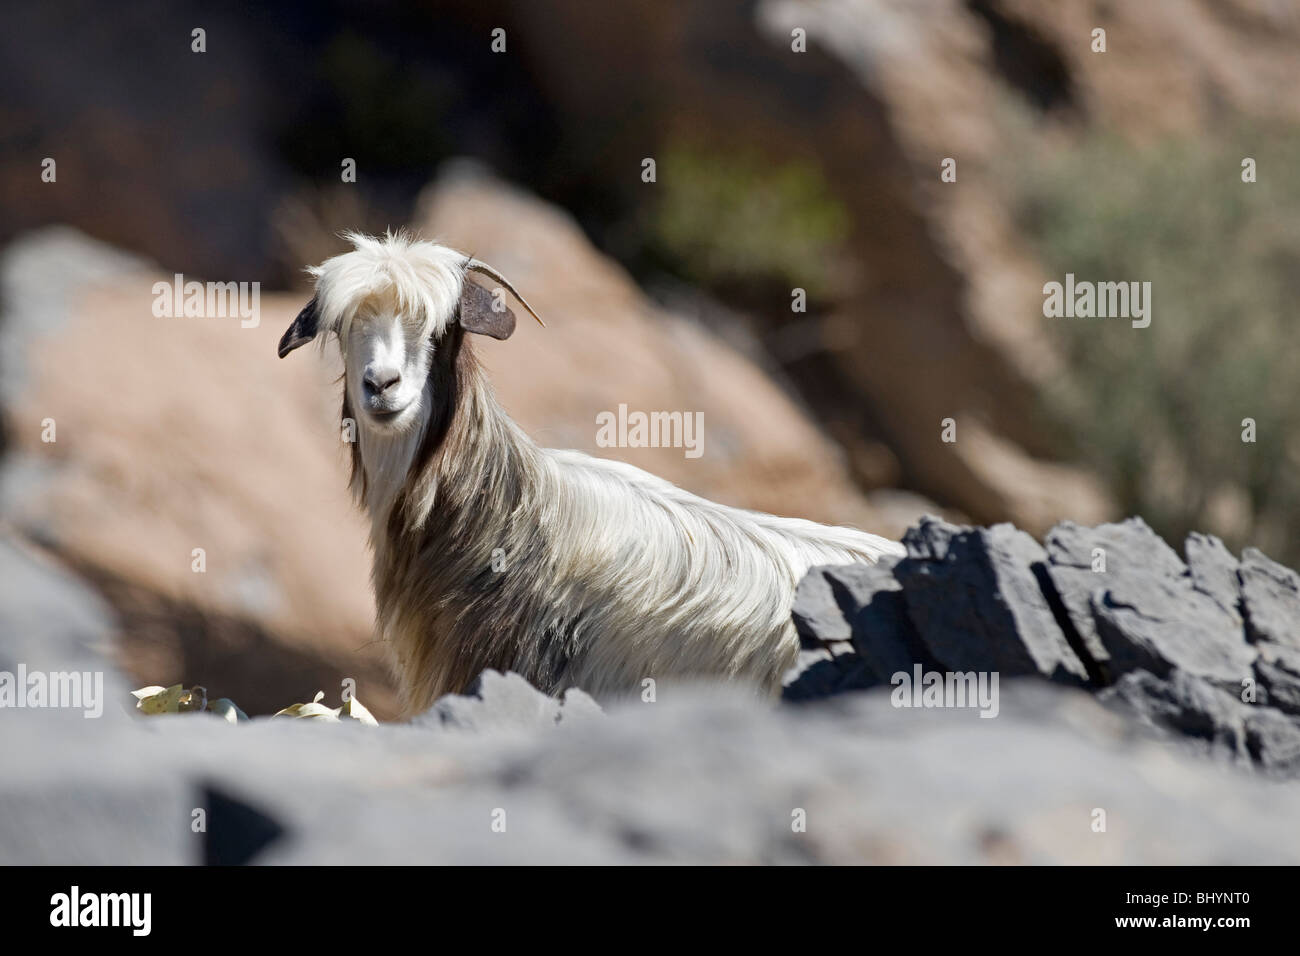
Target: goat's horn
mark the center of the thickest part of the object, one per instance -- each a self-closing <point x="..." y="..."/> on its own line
<point x="491" y="273"/>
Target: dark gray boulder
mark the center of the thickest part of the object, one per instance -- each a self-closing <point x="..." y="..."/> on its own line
<point x="823" y="673"/>
<point x="1112" y="607"/>
<point x="1179" y="703"/>
<point x="974" y="597"/>
<point x="861" y="604"/>
<point x="1159" y="625"/>
<point x="1135" y="605"/>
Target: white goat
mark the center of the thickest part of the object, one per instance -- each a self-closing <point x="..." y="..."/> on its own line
<point x="492" y="552"/>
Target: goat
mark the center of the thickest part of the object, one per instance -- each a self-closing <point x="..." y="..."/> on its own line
<point x="492" y="552"/>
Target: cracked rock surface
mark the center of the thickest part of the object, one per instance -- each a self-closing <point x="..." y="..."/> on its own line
<point x="1205" y="651"/>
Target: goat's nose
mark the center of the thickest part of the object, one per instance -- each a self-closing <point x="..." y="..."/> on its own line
<point x="380" y="380"/>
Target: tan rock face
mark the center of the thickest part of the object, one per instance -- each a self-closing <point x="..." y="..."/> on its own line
<point x="177" y="434"/>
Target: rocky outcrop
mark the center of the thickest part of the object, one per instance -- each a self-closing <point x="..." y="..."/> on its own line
<point x="708" y="776"/>
<point x="505" y="774"/>
<point x="1204" y="649"/>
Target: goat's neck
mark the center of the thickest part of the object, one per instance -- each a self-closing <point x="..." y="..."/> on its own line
<point x="465" y="461"/>
<point x="386" y="461"/>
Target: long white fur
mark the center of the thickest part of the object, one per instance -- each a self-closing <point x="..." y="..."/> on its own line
<point x="612" y="575"/>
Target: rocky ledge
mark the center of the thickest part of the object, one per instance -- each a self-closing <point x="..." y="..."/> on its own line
<point x="1105" y="643"/>
<point x="1205" y="648"/>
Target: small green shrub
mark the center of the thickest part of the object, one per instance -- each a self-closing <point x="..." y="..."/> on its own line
<point x="729" y="217"/>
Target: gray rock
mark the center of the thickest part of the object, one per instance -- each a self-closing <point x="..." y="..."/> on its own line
<point x="1180" y="704"/>
<point x="821" y="674"/>
<point x="817" y="614"/>
<point x="711" y="776"/>
<point x="1278" y="671"/>
<point x="49" y="619"/>
<point x="1273" y="740"/>
<point x="1171" y="633"/>
<point x="1146" y="610"/>
<point x="1270" y="596"/>
<point x="507" y="702"/>
<point x="1198" y="713"/>
<point x="861" y="604"/>
<point x="578" y="708"/>
<point x="1214" y="571"/>
<point x="1159" y="624"/>
<point x="56" y="630"/>
<point x="975" y="600"/>
<point x="1127" y="548"/>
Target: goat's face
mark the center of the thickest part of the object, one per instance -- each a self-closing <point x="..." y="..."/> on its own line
<point x="391" y="302"/>
<point x="386" y="358"/>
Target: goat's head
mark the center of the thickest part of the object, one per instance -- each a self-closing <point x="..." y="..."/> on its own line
<point x="391" y="303"/>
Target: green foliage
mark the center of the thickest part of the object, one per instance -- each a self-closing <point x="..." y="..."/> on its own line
<point x="1159" y="410"/>
<point x="732" y="217"/>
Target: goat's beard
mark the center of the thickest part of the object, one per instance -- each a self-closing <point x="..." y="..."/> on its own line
<point x="383" y="452"/>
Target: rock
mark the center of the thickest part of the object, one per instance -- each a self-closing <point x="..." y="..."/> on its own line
<point x="1270" y="596"/>
<point x="1158" y="625"/>
<point x="1278" y="671"/>
<point x="1071" y="550"/>
<point x="974" y="597"/>
<point x="1214" y="571"/>
<point x="1186" y="707"/>
<point x="821" y="674"/>
<point x="507" y="701"/>
<point x="98" y="822"/>
<point x="1197" y="712"/>
<point x="236" y="831"/>
<point x="50" y="620"/>
<point x="864" y="605"/>
<point x="242" y="462"/>
<point x="578" y="709"/>
<point x="1165" y="634"/>
<point x="1273" y="740"/>
<point x="1142" y="608"/>
<point x="712" y="776"/>
<point x="818" y="615"/>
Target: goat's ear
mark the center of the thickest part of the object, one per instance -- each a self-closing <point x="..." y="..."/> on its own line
<point x="484" y="313"/>
<point x="302" y="330"/>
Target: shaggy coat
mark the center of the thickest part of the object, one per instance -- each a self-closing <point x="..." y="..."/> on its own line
<point x="490" y="551"/>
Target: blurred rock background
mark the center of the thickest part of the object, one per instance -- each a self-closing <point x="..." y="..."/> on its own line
<point x="775" y="170"/>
